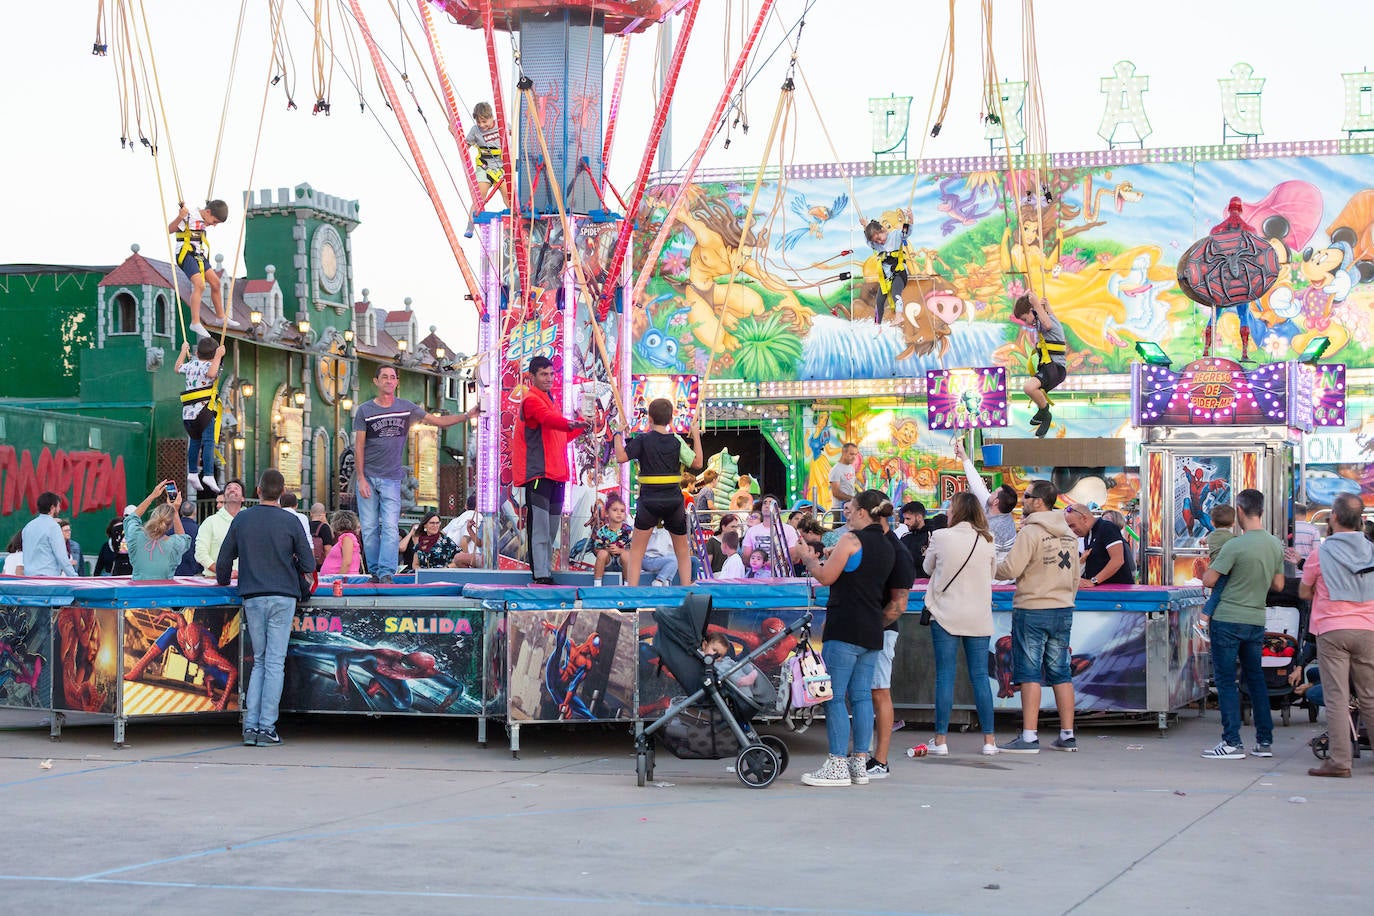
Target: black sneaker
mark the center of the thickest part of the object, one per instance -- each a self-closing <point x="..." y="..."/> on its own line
<point x="1039" y="416"/>
<point x="1043" y="427"/>
<point x="268" y="737"/>
<point x="373" y="579"/>
<point x="250" y="737"/>
<point x="544" y="580"/>
<point x="876" y="770"/>
<point x="384" y="580"/>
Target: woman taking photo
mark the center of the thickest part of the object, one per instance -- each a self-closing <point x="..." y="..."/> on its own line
<point x="960" y="561"/>
<point x="432" y="548"/>
<point x="858" y="573"/>
<point x="156" y="548"/>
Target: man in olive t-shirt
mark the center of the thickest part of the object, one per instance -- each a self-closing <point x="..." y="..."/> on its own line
<point x="1253" y="563"/>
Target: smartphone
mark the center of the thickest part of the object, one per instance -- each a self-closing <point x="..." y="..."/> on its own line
<point x="171" y="491"/>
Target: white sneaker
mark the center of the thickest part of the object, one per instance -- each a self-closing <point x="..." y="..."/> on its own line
<point x="1224" y="751"/>
<point x="193" y="484"/>
<point x="199" y="329"/>
<point x="937" y="750"/>
<point x="858" y="770"/>
<point x="834" y="772"/>
<point x="209" y="484"/>
<point x="991" y="750"/>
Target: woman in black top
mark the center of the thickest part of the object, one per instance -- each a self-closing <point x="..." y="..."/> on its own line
<point x="113" y="559"/>
<point x="859" y="572"/>
<point x="661" y="456"/>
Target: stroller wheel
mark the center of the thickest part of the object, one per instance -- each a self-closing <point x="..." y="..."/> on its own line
<point x="1286" y="714"/>
<point x="757" y="766"/>
<point x="1321" y="747"/>
<point x="641" y="768"/>
<point x="780" y="748"/>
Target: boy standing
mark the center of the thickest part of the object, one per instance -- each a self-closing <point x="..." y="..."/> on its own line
<point x="661" y="454"/>
<point x="200" y="412"/>
<point x="193" y="257"/>
<point x="1050" y="363"/>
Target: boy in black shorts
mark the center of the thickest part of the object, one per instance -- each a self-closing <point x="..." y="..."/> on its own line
<point x="1050" y="362"/>
<point x="661" y="454"/>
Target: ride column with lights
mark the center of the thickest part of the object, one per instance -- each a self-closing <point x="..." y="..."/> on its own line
<point x="560" y="78"/>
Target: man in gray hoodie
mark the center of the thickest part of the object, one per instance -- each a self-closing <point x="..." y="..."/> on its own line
<point x="1338" y="578"/>
<point x="1044" y="563"/>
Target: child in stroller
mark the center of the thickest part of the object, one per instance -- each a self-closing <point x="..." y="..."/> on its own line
<point x="713" y="721"/>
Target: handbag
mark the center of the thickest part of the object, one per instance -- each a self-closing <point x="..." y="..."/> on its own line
<point x="925" y="611"/>
<point x="809" y="681"/>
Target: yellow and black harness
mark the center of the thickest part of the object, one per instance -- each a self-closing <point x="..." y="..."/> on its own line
<point x="489" y="161"/>
<point x="192" y="242"/>
<point x="209" y="396"/>
<point x="1044" y="351"/>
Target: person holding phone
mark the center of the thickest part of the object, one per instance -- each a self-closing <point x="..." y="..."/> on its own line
<point x="156" y="548"/>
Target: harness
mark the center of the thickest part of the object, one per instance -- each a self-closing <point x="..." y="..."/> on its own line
<point x="489" y="160"/>
<point x="191" y="241"/>
<point x="1043" y="350"/>
<point x="661" y="478"/>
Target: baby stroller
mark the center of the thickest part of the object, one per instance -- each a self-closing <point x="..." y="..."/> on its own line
<point x="1283" y="628"/>
<point x="713" y="721"/>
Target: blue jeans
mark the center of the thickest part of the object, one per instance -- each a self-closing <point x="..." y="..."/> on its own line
<point x="851" y="675"/>
<point x="946" y="667"/>
<point x="269" y="629"/>
<point x="380" y="516"/>
<point x="664" y="568"/>
<point x="200" y="445"/>
<point x="1243" y="642"/>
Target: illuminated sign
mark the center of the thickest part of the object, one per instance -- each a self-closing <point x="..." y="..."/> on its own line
<point x="1125" y="93"/>
<point x="1240" y="101"/>
<point x="891" y="119"/>
<point x="1219" y="392"/>
<point x="683" y="390"/>
<point x="958" y="483"/>
<point x="966" y="398"/>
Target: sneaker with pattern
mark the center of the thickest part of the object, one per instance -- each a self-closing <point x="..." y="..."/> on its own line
<point x="858" y="770"/>
<point x="877" y="770"/>
<point x="1224" y="751"/>
<point x="834" y="772"/>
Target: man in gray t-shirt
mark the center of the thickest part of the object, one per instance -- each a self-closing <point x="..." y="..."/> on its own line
<point x="381" y="427"/>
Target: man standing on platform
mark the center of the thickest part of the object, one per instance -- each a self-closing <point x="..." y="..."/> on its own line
<point x="1338" y="578"/>
<point x="1254" y="563"/>
<point x="45" y="550"/>
<point x="1044" y="563"/>
<point x="844" y="479"/>
<point x="540" y="464"/>
<point x="273" y="553"/>
<point x="381" y="427"/>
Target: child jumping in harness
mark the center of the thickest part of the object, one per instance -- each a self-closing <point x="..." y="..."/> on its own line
<point x="200" y="412"/>
<point x="891" y="249"/>
<point x="485" y="136"/>
<point x="193" y="257"/>
<point x="661" y="454"/>
<point x="1050" y="363"/>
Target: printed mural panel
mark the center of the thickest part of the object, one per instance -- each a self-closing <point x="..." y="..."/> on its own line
<point x="86" y="647"/>
<point x="26" y="657"/>
<point x="181" y="661"/>
<point x="571" y="665"/>
<point x="1107" y="658"/>
<point x="384" y="661"/>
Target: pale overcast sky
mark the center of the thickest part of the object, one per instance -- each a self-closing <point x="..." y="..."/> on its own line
<point x="73" y="196"/>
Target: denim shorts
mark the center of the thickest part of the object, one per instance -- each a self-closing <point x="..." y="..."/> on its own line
<point x="1040" y="646"/>
<point x="882" y="672"/>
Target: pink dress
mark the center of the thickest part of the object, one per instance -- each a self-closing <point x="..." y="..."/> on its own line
<point x="333" y="561"/>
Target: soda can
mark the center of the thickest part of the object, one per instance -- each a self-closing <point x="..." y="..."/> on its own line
<point x="338" y="588"/>
<point x="919" y="750"/>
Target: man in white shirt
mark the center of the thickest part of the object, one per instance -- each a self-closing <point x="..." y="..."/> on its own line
<point x="289" y="502"/>
<point x="844" y="479"/>
<point x="999" y="506"/>
<point x="459" y="529"/>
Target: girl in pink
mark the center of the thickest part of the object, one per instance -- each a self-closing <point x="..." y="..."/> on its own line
<point x="346" y="556"/>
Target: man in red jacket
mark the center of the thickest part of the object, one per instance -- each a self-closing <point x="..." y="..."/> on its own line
<point x="540" y="465"/>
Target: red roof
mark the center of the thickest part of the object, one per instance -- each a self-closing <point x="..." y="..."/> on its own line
<point x="135" y="271"/>
<point x="399" y="317"/>
<point x="258" y="286"/>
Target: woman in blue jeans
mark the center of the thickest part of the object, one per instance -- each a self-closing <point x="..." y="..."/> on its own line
<point x="960" y="562"/>
<point x="859" y="572"/>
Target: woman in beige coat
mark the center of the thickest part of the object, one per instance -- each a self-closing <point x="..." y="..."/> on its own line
<point x="960" y="562"/>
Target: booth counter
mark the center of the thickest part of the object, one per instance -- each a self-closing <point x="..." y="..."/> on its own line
<point x="522" y="655"/>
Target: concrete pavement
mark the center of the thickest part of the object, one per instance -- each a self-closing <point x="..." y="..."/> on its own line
<point x="366" y="816"/>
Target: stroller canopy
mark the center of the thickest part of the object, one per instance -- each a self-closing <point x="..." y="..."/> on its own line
<point x="680" y="632"/>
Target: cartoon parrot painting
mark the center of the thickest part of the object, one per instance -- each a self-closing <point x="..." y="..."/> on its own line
<point x="814" y="215"/>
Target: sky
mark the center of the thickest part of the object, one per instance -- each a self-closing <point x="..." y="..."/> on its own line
<point x="73" y="196"/>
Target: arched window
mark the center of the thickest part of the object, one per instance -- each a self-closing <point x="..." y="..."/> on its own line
<point x="161" y="317"/>
<point x="124" y="314"/>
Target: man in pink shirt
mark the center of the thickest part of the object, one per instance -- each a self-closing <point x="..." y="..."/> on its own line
<point x="1338" y="578"/>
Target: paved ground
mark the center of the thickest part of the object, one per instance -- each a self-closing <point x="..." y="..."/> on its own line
<point x="357" y="816"/>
